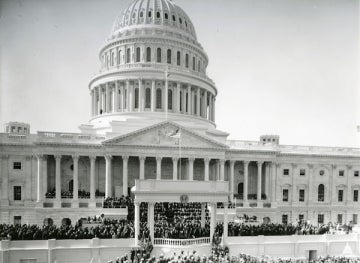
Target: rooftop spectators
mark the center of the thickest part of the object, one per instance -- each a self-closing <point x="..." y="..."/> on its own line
<point x="67" y="194"/>
<point x="118" y="202"/>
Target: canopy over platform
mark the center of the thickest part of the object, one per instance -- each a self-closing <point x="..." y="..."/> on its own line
<point x="181" y="191"/>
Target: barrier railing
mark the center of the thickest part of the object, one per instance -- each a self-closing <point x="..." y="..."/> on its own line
<point x="181" y="242"/>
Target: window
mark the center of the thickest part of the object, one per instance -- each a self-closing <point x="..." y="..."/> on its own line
<point x="138" y="54"/>
<point x="148" y="54"/>
<point x="17" y="193"/>
<point x="181" y="101"/>
<point x="341" y="173"/>
<point x="321" y="191"/>
<point x="187" y="60"/>
<point x="194" y="63"/>
<point x="301" y="217"/>
<point x="158" y="98"/>
<point x="149" y="14"/>
<point x="174" y="18"/>
<point x="157" y="14"/>
<point x="166" y="16"/>
<point x="119" y="57"/>
<point x="339" y="218"/>
<point x="301" y="195"/>
<point x="321" y="172"/>
<point x="170" y="95"/>
<point x="356" y="195"/>
<point x="148" y="98"/>
<point x="284" y="219"/>
<point x="136" y="98"/>
<point x="356" y="173"/>
<point x="17" y="165"/>
<point x="128" y="55"/>
<point x="302" y="172"/>
<point x="158" y="55"/>
<point x="141" y="14"/>
<point x="320" y="218"/>
<point x="17" y="220"/>
<point x="180" y="20"/>
<point x="112" y="58"/>
<point x="178" y="58"/>
<point x="340" y="195"/>
<point x="199" y="65"/>
<point x="355" y="219"/>
<point x="285" y="195"/>
<point x="169" y="56"/>
<point x="286" y="172"/>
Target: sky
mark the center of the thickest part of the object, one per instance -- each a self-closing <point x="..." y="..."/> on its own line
<point x="281" y="67"/>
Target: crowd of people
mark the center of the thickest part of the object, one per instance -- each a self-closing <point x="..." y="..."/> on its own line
<point x="68" y="194"/>
<point x="118" y="202"/>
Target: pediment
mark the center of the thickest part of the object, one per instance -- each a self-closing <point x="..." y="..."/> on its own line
<point x="165" y="134"/>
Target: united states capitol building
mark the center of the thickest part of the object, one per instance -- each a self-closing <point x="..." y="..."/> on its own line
<point x="152" y="134"/>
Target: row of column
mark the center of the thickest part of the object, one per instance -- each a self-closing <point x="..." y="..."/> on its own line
<point x="121" y="97"/>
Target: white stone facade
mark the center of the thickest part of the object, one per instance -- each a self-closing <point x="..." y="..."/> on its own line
<point x="153" y="117"/>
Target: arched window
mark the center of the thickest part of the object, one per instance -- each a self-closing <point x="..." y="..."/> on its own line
<point x="321" y="193"/>
<point x="178" y="58"/>
<point x="112" y="58"/>
<point x="169" y="56"/>
<point x="148" y="54"/>
<point x="158" y="98"/>
<point x="180" y="20"/>
<point x="119" y="57"/>
<point x="199" y="65"/>
<point x="149" y="14"/>
<point x="194" y="63"/>
<point x="195" y="104"/>
<point x="185" y="24"/>
<point x="157" y="14"/>
<point x="148" y="98"/>
<point x="187" y="60"/>
<point x="170" y="96"/>
<point x="128" y="55"/>
<point x="136" y="98"/>
<point x="158" y="55"/>
<point x="166" y="16"/>
<point x="141" y="14"/>
<point x="138" y="54"/>
<point x="174" y="18"/>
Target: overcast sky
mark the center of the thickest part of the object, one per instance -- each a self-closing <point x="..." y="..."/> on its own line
<point x="281" y="67"/>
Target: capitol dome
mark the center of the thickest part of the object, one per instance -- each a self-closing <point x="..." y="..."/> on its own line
<point x="162" y="13"/>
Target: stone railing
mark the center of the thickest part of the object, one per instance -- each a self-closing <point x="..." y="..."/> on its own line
<point x="181" y="242"/>
<point x="68" y="137"/>
<point x="158" y="66"/>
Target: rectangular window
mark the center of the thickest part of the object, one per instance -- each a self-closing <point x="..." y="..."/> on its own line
<point x="339" y="218"/>
<point x="302" y="172"/>
<point x="301" y="217"/>
<point x="356" y="173"/>
<point x="356" y="195"/>
<point x="284" y="219"/>
<point x="17" y="165"/>
<point x="320" y="218"/>
<point x="17" y="220"/>
<point x="340" y="195"/>
<point x="286" y="172"/>
<point x="17" y="193"/>
<point x="341" y="173"/>
<point x="301" y="195"/>
<point x="285" y="195"/>
<point x="355" y="219"/>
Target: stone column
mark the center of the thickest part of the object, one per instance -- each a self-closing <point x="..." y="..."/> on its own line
<point x="151" y="220"/>
<point x="178" y="89"/>
<point x="189" y="99"/>
<point x="331" y="190"/>
<point x="226" y="222"/>
<point x="137" y="222"/>
<point x="212" y="220"/>
<point x="92" y="203"/>
<point x="5" y="179"/>
<point x="213" y="109"/>
<point x="142" y="167"/>
<point x="198" y="102"/>
<point x="273" y="183"/>
<point x="108" y="179"/>
<point x="210" y="107"/>
<point x="310" y="186"/>
<point x="122" y="97"/>
<point x="184" y="101"/>
<point x="58" y="180"/>
<point x="40" y="194"/>
<point x="175" y="168"/>
<point x="158" y="168"/>
<point x="153" y="97"/>
<point x="191" y="168"/>
<point x="259" y="166"/>
<point x="205" y="104"/>
<point x="222" y="170"/>
<point x="116" y="97"/>
<point x="131" y="97"/>
<point x="232" y="166"/>
<point x="293" y="184"/>
<point x="28" y="178"/>
<point x="203" y="215"/>
<point x="44" y="175"/>
<point x="75" y="201"/>
<point x="125" y="175"/>
<point x="108" y="97"/>
<point x="141" y="97"/>
<point x="348" y="185"/>
<point x="206" y="168"/>
<point x="246" y="182"/>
